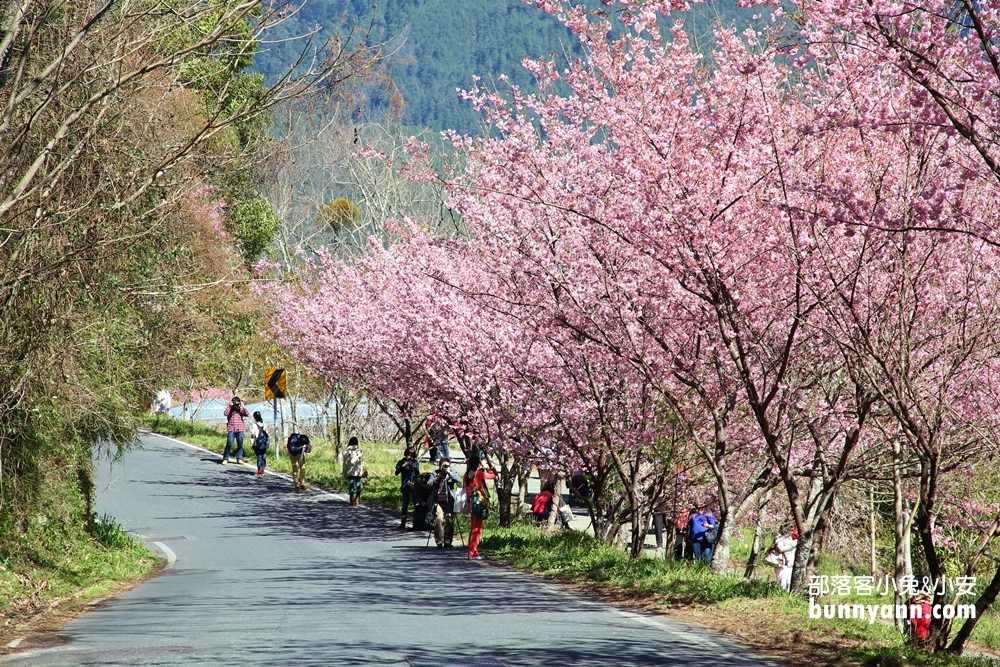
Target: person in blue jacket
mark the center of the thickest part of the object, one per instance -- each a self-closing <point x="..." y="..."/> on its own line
<point x="703" y="528"/>
<point x="408" y="469"/>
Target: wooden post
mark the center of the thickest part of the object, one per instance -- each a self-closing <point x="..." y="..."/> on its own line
<point x="277" y="440"/>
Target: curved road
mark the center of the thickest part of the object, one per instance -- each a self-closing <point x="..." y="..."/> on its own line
<point x="263" y="576"/>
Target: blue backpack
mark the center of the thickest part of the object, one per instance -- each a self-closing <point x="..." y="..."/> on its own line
<point x="263" y="441"/>
<point x="298" y="444"/>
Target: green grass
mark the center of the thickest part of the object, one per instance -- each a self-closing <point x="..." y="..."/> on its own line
<point x="578" y="558"/>
<point x="79" y="568"/>
<point x="574" y="558"/>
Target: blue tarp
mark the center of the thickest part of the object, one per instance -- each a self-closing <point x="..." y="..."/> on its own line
<point x="211" y="411"/>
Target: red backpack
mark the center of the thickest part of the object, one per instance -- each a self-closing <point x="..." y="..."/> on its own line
<point x="540" y="506"/>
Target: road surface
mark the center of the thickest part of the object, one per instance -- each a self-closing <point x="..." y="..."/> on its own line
<point x="263" y="576"/>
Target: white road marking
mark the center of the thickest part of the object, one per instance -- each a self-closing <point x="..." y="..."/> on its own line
<point x="15" y="643"/>
<point x="171" y="556"/>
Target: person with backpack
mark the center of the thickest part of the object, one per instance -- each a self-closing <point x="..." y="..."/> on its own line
<point x="234" y="414"/>
<point x="443" y="504"/>
<point x="422" y="491"/>
<point x="476" y="475"/>
<point x="261" y="441"/>
<point x="298" y="446"/>
<point x="408" y="469"/>
<point x="543" y="502"/>
<point x="704" y="530"/>
<point x="354" y="469"/>
<point x="682" y="534"/>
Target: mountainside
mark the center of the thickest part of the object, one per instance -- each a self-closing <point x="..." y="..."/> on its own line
<point x="440" y="44"/>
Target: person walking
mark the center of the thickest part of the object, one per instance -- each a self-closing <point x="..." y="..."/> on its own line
<point x="235" y="428"/>
<point x="703" y="531"/>
<point x="443" y="499"/>
<point x="476" y="475"/>
<point x="298" y="446"/>
<point x="661" y="523"/>
<point x="408" y="469"/>
<point x="682" y="535"/>
<point x="354" y="469"/>
<point x="261" y="441"/>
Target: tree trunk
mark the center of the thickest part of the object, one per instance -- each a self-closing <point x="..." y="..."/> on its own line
<point x="902" y="562"/>
<point x="720" y="552"/>
<point x="758" y="535"/>
<point x="337" y="407"/>
<point x="407" y="432"/>
<point x="987" y="598"/>
<point x="800" y="570"/>
<point x="872" y="553"/>
<point x="505" y="487"/>
<point x="85" y="483"/>
<point x="522" y="488"/>
<point x="940" y="628"/>
<point x="557" y="499"/>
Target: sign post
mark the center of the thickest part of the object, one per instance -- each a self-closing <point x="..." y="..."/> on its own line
<point x="274" y="388"/>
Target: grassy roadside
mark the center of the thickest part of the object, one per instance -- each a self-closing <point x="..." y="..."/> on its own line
<point x="764" y="617"/>
<point x="60" y="578"/>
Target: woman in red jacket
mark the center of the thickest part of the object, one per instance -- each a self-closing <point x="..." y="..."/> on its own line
<point x="475" y="483"/>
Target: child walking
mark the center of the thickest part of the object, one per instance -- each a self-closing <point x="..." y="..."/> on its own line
<point x="354" y="470"/>
<point x="261" y="442"/>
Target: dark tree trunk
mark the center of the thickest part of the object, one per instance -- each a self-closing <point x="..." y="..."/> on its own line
<point x="987" y="598"/>
<point x="758" y="535"/>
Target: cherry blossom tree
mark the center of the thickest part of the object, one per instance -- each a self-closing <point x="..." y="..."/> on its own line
<point x="753" y="262"/>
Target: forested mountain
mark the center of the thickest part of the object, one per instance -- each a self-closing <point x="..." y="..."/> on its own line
<point x="438" y="45"/>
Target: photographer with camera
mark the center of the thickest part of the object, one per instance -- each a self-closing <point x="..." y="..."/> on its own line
<point x="235" y="428"/>
<point x="443" y="508"/>
<point x="408" y="469"/>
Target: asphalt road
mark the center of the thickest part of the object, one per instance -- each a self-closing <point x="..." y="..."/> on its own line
<point x="264" y="576"/>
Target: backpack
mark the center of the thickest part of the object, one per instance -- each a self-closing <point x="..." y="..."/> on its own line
<point x="295" y="445"/>
<point x="541" y="503"/>
<point x="263" y="440"/>
<point x="480" y="504"/>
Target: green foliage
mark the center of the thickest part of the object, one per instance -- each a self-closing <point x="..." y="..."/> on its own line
<point x="217" y="71"/>
<point x="253" y="221"/>
<point x="110" y="533"/>
<point x="441" y="44"/>
<point x="194" y="432"/>
<point x="340" y="214"/>
<point x="47" y="556"/>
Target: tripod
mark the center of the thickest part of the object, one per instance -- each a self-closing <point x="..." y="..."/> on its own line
<point x="430" y="534"/>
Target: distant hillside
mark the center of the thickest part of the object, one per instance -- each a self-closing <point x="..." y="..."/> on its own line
<point x="443" y="43"/>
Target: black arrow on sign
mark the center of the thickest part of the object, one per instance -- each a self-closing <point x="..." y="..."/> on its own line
<point x="272" y="383"/>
